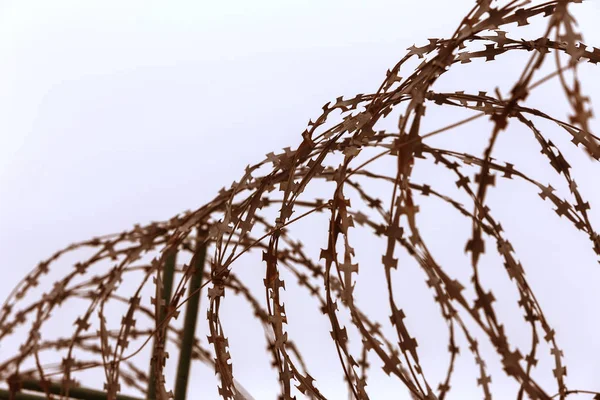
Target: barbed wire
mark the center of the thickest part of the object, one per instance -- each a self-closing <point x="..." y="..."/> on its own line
<point x="228" y="227"/>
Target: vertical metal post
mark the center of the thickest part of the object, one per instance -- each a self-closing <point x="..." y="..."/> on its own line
<point x="191" y="317"/>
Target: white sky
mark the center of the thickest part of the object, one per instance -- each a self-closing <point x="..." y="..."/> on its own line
<point x="121" y="112"/>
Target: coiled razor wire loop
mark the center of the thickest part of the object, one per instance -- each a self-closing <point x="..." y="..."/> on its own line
<point x="232" y="221"/>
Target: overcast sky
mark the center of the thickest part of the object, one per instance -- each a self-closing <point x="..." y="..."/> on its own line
<point x="121" y="112"/>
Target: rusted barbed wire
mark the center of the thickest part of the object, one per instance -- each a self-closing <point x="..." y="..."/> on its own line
<point x="232" y="220"/>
